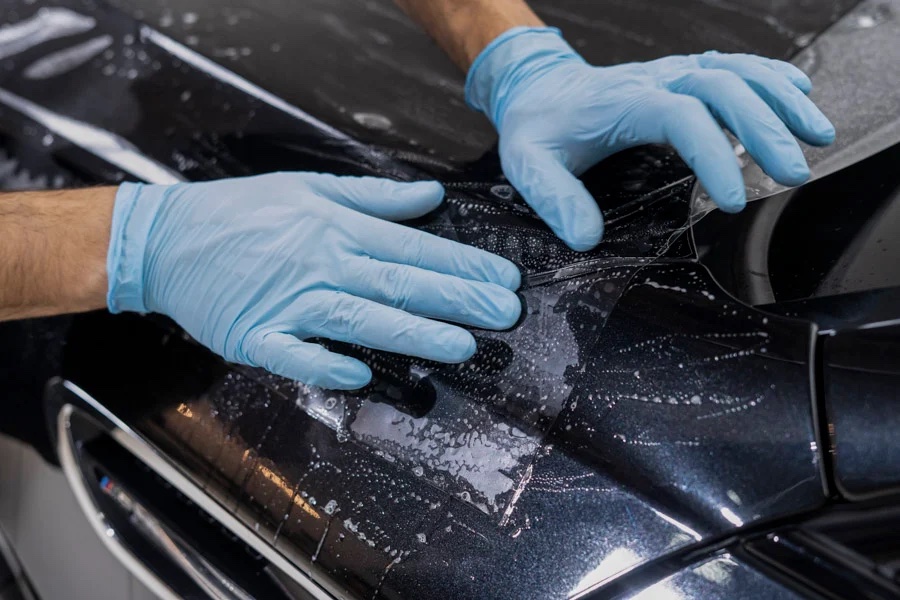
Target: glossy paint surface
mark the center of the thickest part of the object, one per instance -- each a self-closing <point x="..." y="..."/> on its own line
<point x="637" y="409"/>
<point x="386" y="82"/>
<point x="862" y="387"/>
<point x="381" y="79"/>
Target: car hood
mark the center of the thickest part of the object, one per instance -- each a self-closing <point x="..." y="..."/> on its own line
<point x="637" y="411"/>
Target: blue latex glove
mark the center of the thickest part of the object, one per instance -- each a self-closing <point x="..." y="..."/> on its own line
<point x="252" y="267"/>
<point x="558" y="116"/>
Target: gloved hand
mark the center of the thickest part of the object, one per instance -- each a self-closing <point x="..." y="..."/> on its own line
<point x="252" y="267"/>
<point x="557" y="115"/>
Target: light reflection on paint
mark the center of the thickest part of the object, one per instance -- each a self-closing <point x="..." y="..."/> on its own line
<point x="202" y="63"/>
<point x="47" y="24"/>
<point x="661" y="591"/>
<point x="731" y="517"/>
<point x="66" y="60"/>
<point x="279" y="482"/>
<point x="684" y="528"/>
<point x="616" y="561"/>
<point x="110" y="147"/>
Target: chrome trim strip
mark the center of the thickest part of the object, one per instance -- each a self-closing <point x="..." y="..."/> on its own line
<point x="212" y="580"/>
<point x="168" y="470"/>
<point x="94" y="516"/>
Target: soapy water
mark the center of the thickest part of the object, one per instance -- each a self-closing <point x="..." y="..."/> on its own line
<point x="485" y="419"/>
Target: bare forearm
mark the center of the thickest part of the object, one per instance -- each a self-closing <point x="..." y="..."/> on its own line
<point x="464" y="27"/>
<point x="53" y="248"/>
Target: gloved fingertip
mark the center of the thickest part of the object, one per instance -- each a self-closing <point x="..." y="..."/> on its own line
<point x="431" y="192"/>
<point x="347" y="373"/>
<point x="509" y="275"/>
<point x="586" y="233"/>
<point x="509" y="309"/>
<point x="802" y="81"/>
<point x="401" y="201"/>
<point x="732" y="207"/>
<point x="794" y="74"/>
<point x="802" y="175"/>
<point x="582" y="245"/>
<point x="797" y="173"/>
<point x="416" y="198"/>
<point x="784" y="161"/>
<point x="825" y="133"/>
<point x="733" y="202"/>
<point x="458" y="345"/>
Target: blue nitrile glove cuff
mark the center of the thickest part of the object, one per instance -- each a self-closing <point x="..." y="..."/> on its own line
<point x="134" y="213"/>
<point x="500" y="65"/>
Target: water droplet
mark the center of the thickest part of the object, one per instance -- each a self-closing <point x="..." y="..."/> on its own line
<point x="504" y="192"/>
<point x="373" y="121"/>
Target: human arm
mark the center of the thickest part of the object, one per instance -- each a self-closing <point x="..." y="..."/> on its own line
<point x="53" y="247"/>
<point x="557" y="115"/>
<point x="255" y="267"/>
<point x="463" y="28"/>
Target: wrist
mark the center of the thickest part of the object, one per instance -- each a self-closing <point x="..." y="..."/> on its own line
<point x="463" y="28"/>
<point x="489" y="20"/>
<point x="513" y="57"/>
<point x="134" y="213"/>
<point x="53" y="246"/>
<point x="98" y="203"/>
